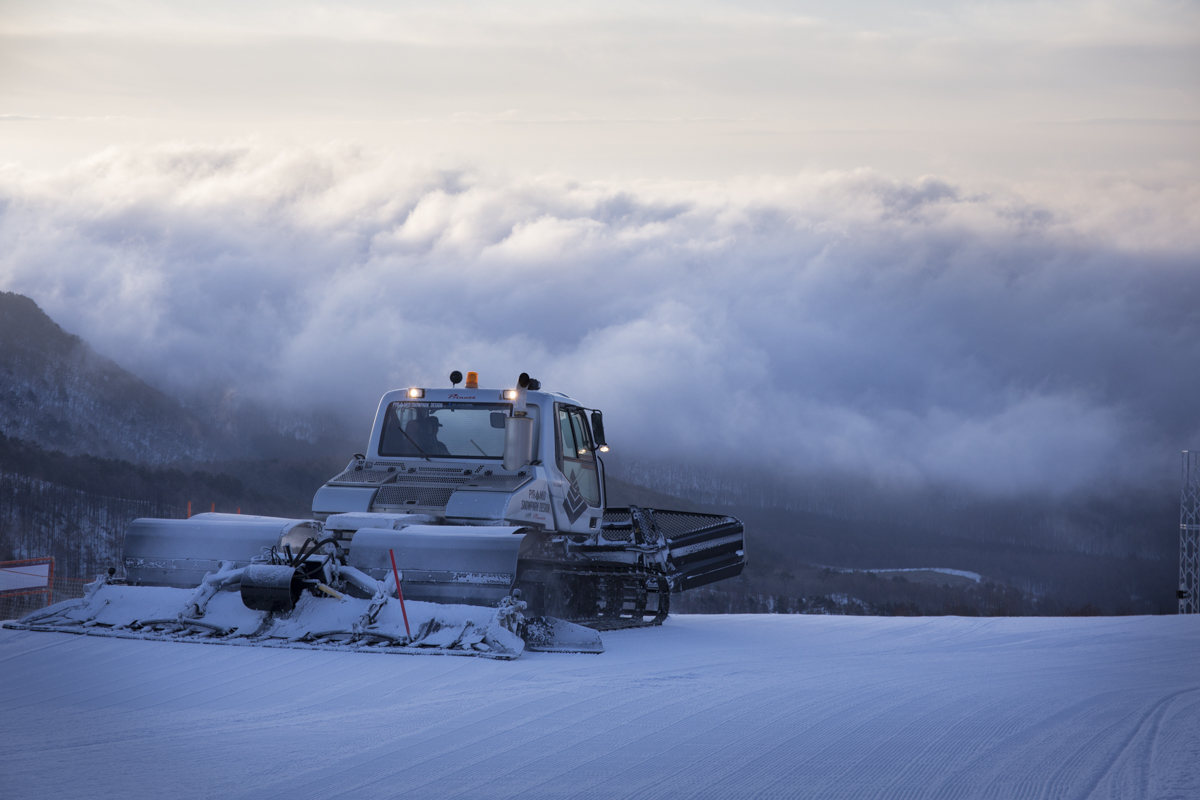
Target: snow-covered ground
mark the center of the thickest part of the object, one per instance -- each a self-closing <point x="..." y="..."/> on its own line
<point x="719" y="706"/>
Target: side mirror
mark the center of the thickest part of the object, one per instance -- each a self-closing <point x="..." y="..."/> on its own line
<point x="598" y="429"/>
<point x="497" y="419"/>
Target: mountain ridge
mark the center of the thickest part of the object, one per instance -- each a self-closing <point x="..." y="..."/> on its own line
<point x="57" y="391"/>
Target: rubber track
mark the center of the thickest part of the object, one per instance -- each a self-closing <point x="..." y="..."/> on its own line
<point x="634" y="578"/>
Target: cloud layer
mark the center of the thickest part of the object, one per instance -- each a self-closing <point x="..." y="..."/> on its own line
<point x="909" y="331"/>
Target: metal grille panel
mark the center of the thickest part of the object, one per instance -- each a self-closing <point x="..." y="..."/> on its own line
<point x="672" y="524"/>
<point x="1189" y="535"/>
<point x="675" y="525"/>
<point x="393" y="495"/>
<point x="456" y="480"/>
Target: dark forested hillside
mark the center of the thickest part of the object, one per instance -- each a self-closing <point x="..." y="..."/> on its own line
<point x="1043" y="555"/>
<point x="76" y="507"/>
<point x="55" y="390"/>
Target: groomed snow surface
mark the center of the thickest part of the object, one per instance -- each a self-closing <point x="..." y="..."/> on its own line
<point x="705" y="706"/>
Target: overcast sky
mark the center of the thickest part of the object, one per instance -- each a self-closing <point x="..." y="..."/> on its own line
<point x="953" y="241"/>
<point x="612" y="89"/>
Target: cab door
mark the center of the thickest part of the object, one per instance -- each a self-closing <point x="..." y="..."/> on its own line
<point x="582" y="500"/>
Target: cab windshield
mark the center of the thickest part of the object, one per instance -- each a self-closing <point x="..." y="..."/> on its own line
<point x="413" y="429"/>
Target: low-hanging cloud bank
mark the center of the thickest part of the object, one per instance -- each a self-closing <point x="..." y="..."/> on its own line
<point x="909" y="331"/>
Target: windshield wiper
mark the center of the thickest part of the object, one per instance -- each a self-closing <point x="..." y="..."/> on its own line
<point x="414" y="444"/>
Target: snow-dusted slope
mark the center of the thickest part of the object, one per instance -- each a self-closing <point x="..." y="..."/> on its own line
<point x="745" y="706"/>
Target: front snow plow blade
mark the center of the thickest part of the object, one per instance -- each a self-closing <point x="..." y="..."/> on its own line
<point x="180" y="552"/>
<point x="344" y="623"/>
<point x="475" y="565"/>
<point x="286" y="586"/>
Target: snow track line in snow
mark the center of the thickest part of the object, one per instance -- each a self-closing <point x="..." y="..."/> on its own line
<point x="1150" y="722"/>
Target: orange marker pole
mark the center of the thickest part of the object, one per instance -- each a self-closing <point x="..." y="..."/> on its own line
<point x="400" y="594"/>
<point x="189" y="509"/>
<point x="214" y="508"/>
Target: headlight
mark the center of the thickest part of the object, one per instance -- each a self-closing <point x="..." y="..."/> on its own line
<point x="416" y="393"/>
<point x="510" y="394"/>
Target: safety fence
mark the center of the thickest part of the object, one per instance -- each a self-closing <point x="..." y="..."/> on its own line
<point x="29" y="584"/>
